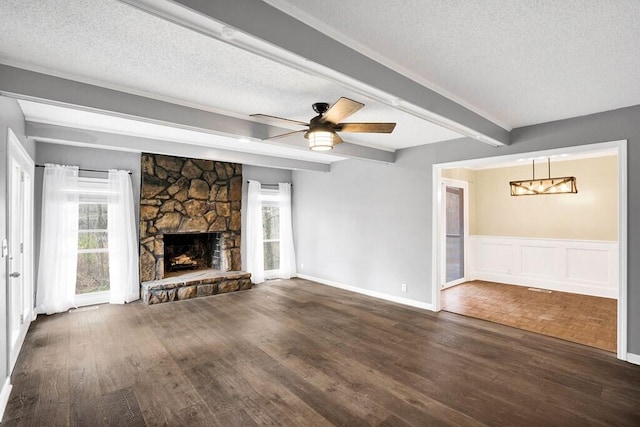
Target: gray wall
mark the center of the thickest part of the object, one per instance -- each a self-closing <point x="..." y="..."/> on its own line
<point x="11" y="117"/>
<point x="264" y="176"/>
<point x="369" y="225"/>
<point x="85" y="158"/>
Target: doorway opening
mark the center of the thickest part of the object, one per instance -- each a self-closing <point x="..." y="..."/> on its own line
<point x="20" y="169"/>
<point x="575" y="264"/>
<point x="456" y="229"/>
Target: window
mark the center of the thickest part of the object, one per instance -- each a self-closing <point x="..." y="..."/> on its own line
<point x="88" y="244"/>
<point x="270" y="251"/>
<point x="271" y="230"/>
<point x="271" y="235"/>
<point x="92" y="277"/>
<point x="93" y="250"/>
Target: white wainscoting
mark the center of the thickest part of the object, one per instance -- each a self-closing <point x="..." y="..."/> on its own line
<point x="578" y="266"/>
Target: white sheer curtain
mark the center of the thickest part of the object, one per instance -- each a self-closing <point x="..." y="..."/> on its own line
<point x="287" y="253"/>
<point x="255" y="249"/>
<point x="58" y="239"/>
<point x="124" y="280"/>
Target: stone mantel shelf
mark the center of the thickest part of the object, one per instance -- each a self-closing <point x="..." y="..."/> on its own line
<point x="194" y="284"/>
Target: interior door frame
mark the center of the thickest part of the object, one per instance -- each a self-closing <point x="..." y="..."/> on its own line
<point x="442" y="231"/>
<point x="17" y="151"/>
<point x="621" y="147"/>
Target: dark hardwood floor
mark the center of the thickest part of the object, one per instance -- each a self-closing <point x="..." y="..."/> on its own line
<point x="298" y="353"/>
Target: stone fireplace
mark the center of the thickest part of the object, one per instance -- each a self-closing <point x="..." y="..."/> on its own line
<point x="189" y="224"/>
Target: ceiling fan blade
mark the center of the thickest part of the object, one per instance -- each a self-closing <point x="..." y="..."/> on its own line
<point x="284" y="134"/>
<point x="274" y="119"/>
<point x="365" y="127"/>
<point x="343" y="108"/>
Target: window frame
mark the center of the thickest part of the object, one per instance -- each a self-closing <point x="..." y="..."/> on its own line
<point x="270" y="197"/>
<point x="93" y="191"/>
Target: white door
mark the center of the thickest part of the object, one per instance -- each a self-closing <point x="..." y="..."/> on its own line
<point x="20" y="282"/>
<point x="454" y="232"/>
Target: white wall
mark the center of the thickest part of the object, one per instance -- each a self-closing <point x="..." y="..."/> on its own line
<point x="11" y="117"/>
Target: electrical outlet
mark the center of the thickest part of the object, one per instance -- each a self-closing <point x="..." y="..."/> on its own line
<point x="301" y="266"/>
<point x="404" y="287"/>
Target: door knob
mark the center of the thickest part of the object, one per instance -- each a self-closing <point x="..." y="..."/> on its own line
<point x="16" y="274"/>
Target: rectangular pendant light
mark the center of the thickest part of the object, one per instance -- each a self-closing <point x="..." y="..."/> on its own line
<point x="534" y="187"/>
<point x="529" y="187"/>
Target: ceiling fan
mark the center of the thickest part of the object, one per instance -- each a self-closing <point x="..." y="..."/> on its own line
<point x="322" y="129"/>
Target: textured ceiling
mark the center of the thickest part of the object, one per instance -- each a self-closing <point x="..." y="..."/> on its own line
<point x="112" y="44"/>
<point x="515" y="62"/>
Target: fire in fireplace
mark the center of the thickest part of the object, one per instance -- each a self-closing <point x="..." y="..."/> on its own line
<point x="191" y="251"/>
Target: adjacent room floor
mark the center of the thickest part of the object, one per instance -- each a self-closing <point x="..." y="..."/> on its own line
<point x="577" y="318"/>
<point x="294" y="352"/>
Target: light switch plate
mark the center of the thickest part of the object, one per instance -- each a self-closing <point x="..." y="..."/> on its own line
<point x="5" y="248"/>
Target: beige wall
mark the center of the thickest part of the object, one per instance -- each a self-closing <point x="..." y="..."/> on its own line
<point x="592" y="214"/>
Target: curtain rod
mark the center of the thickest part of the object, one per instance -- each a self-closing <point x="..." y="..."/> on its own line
<point x="271" y="185"/>
<point x="88" y="170"/>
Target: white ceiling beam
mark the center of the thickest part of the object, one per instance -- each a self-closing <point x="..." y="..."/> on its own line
<point x="344" y="149"/>
<point x="24" y="84"/>
<point x="89" y="138"/>
<point x="268" y="24"/>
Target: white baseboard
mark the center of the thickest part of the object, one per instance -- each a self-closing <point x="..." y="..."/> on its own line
<point x="375" y="294"/>
<point x="4" y="396"/>
<point x="633" y="358"/>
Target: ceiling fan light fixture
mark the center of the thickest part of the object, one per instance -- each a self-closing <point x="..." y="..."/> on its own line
<point x="322" y="130"/>
<point x="320" y="140"/>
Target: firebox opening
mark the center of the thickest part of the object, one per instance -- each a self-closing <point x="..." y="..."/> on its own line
<point x="191" y="251"/>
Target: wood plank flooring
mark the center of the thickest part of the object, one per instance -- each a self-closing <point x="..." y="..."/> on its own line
<point x="298" y="353"/>
<point x="577" y="318"/>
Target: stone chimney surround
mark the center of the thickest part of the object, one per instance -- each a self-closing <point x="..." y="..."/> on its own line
<point x="181" y="195"/>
